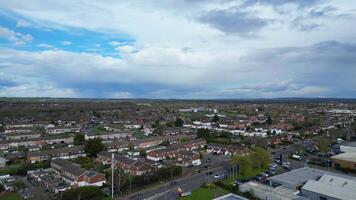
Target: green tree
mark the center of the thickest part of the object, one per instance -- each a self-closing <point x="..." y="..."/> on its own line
<point x="165" y="143"/>
<point x="93" y="146"/>
<point x="216" y="118"/>
<point x="179" y="122"/>
<point x="158" y="130"/>
<point x="269" y="119"/>
<point x="79" y="139"/>
<point x="83" y="193"/>
<point x="143" y="153"/>
<point x="245" y="163"/>
<point x="203" y="133"/>
<point x="261" y="157"/>
<point x="323" y="145"/>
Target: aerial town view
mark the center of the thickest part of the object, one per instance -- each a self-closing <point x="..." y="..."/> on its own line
<point x="178" y="100"/>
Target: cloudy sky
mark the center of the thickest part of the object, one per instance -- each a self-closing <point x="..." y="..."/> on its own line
<point x="178" y="48"/>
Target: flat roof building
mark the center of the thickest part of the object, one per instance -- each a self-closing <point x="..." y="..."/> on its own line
<point x="262" y="191"/>
<point x="344" y="160"/>
<point x="330" y="187"/>
<point x="230" y="197"/>
<point x="295" y="179"/>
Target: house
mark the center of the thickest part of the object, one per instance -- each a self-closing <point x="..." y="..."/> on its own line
<point x="64" y="153"/>
<point x="116" y="146"/>
<point x="3" y="161"/>
<point x="75" y="175"/>
<point x="136" y="167"/>
<point x="278" y="139"/>
<point x="154" y="141"/>
<point x="106" y="135"/>
<point x="225" y="149"/>
<point x="188" y="158"/>
<point x="173" y="150"/>
<point x="67" y="128"/>
<point x="330" y="187"/>
<point x="21" y="136"/>
<point x="36" y="142"/>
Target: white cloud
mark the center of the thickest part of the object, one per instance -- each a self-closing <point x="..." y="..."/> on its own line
<point x="126" y="49"/>
<point x="46" y="46"/>
<point x="66" y="43"/>
<point x="36" y="90"/>
<point x="116" y="43"/>
<point x="15" y="37"/>
<point x="23" y="23"/>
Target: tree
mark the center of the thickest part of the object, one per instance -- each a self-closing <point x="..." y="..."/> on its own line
<point x="269" y="119"/>
<point x="261" y="157"/>
<point x="143" y="153"/>
<point x="83" y="193"/>
<point x="179" y="122"/>
<point x="244" y="162"/>
<point x="216" y="118"/>
<point x="93" y="146"/>
<point x="165" y="143"/>
<point x="203" y="133"/>
<point x="323" y="145"/>
<point x="2" y="188"/>
<point x="158" y="130"/>
<point x="79" y="139"/>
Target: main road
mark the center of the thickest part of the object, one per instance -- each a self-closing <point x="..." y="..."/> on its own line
<point x="167" y="190"/>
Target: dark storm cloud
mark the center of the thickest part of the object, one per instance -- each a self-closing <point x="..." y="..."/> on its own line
<point x="234" y="22"/>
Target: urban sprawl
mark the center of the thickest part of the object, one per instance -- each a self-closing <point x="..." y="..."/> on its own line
<point x="176" y="149"/>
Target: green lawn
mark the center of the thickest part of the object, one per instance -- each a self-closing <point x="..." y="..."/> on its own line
<point x="206" y="193"/>
<point x="10" y="196"/>
<point x="99" y="130"/>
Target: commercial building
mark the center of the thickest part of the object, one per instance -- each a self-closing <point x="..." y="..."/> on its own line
<point x="344" y="161"/>
<point x="230" y="197"/>
<point x="262" y="191"/>
<point x="330" y="187"/>
<point x="295" y="179"/>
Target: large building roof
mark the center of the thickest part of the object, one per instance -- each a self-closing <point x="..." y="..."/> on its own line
<point x="333" y="186"/>
<point x="230" y="197"/>
<point x="298" y="177"/>
<point x="348" y="156"/>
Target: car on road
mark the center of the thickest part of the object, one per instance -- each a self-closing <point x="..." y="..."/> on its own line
<point x="219" y="176"/>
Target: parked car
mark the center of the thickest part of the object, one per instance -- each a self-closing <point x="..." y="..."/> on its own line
<point x="219" y="176"/>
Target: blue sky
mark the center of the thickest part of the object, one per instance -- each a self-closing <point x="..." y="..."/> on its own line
<point x="178" y="49"/>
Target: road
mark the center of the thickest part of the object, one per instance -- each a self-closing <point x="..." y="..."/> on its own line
<point x="188" y="183"/>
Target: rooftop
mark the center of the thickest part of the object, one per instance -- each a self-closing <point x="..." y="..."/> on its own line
<point x="299" y="176"/>
<point x="333" y="186"/>
<point x="348" y="156"/>
<point x="230" y="197"/>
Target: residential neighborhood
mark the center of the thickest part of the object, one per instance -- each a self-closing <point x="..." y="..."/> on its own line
<point x="265" y="150"/>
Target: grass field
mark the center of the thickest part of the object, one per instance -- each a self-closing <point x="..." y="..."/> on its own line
<point x="206" y="193"/>
<point x="10" y="196"/>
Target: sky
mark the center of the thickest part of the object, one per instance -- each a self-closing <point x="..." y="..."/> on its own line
<point x="178" y="49"/>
